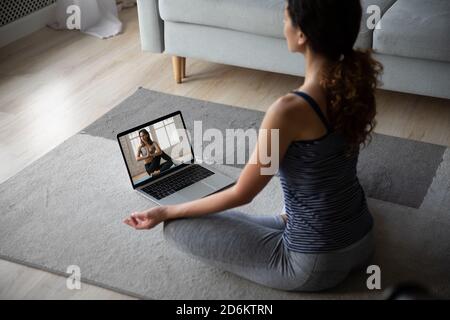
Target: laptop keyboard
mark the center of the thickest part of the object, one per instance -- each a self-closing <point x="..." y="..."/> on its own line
<point x="177" y="181"/>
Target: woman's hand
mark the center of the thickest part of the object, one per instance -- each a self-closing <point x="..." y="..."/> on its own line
<point x="146" y="219"/>
<point x="156" y="152"/>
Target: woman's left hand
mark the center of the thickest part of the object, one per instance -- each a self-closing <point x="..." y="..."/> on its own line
<point x="147" y="219"/>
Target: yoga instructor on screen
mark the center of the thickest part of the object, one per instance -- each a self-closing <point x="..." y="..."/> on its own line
<point x="150" y="152"/>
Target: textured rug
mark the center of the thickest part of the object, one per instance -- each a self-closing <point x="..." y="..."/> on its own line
<point x="67" y="209"/>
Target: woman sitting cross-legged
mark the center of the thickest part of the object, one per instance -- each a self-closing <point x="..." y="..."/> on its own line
<point x="325" y="230"/>
<point x="150" y="152"/>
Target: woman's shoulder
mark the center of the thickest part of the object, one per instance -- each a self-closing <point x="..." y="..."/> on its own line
<point x="289" y="107"/>
<point x="296" y="113"/>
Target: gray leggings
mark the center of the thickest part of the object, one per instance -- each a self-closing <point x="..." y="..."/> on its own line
<point x="252" y="247"/>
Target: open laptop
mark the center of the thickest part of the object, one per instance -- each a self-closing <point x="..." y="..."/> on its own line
<point x="175" y="177"/>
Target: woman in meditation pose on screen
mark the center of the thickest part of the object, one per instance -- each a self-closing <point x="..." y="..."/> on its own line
<point x="150" y="152"/>
<point x="326" y="229"/>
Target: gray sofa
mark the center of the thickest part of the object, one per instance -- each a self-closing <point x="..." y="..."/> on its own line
<point x="413" y="41"/>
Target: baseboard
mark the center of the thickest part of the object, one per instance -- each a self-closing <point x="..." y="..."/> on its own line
<point x="26" y="25"/>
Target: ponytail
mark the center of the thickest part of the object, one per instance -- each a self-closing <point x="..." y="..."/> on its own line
<point x="350" y="85"/>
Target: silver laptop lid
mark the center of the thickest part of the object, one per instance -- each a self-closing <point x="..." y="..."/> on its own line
<point x="138" y="146"/>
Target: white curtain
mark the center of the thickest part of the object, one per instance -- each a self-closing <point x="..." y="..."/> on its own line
<point x="97" y="17"/>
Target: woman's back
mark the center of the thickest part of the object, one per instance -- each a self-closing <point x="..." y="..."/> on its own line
<point x="324" y="201"/>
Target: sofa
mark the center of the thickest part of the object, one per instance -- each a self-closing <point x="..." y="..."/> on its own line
<point x="411" y="39"/>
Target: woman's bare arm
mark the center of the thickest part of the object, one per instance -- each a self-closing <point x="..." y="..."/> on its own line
<point x="158" y="148"/>
<point x="251" y="181"/>
<point x="138" y="155"/>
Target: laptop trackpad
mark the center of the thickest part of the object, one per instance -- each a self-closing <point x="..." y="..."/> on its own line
<point x="196" y="191"/>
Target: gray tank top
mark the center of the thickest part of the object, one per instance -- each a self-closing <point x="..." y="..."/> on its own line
<point x="324" y="201"/>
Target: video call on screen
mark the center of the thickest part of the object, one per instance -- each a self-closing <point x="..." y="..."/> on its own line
<point x="151" y="150"/>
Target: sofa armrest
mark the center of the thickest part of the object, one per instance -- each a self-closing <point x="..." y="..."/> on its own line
<point x="151" y="26"/>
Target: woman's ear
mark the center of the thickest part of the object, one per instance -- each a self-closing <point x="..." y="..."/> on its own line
<point x="301" y="39"/>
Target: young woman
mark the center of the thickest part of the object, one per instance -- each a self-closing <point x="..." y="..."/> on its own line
<point x="150" y="152"/>
<point x="326" y="231"/>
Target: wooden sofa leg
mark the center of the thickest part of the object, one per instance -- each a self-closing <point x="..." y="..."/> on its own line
<point x="178" y="64"/>
<point x="183" y="67"/>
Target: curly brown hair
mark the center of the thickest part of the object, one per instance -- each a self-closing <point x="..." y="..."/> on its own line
<point x="350" y="86"/>
<point x="351" y="76"/>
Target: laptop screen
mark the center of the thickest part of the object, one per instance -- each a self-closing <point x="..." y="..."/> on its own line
<point x="155" y="148"/>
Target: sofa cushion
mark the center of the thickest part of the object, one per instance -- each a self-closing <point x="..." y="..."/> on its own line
<point x="415" y="29"/>
<point x="262" y="17"/>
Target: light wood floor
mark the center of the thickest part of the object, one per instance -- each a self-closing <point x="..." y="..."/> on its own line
<point x="54" y="83"/>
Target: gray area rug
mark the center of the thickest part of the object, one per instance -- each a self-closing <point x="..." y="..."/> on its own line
<point x="67" y="209"/>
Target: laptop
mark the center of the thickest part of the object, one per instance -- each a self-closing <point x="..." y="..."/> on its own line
<point x="161" y="165"/>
